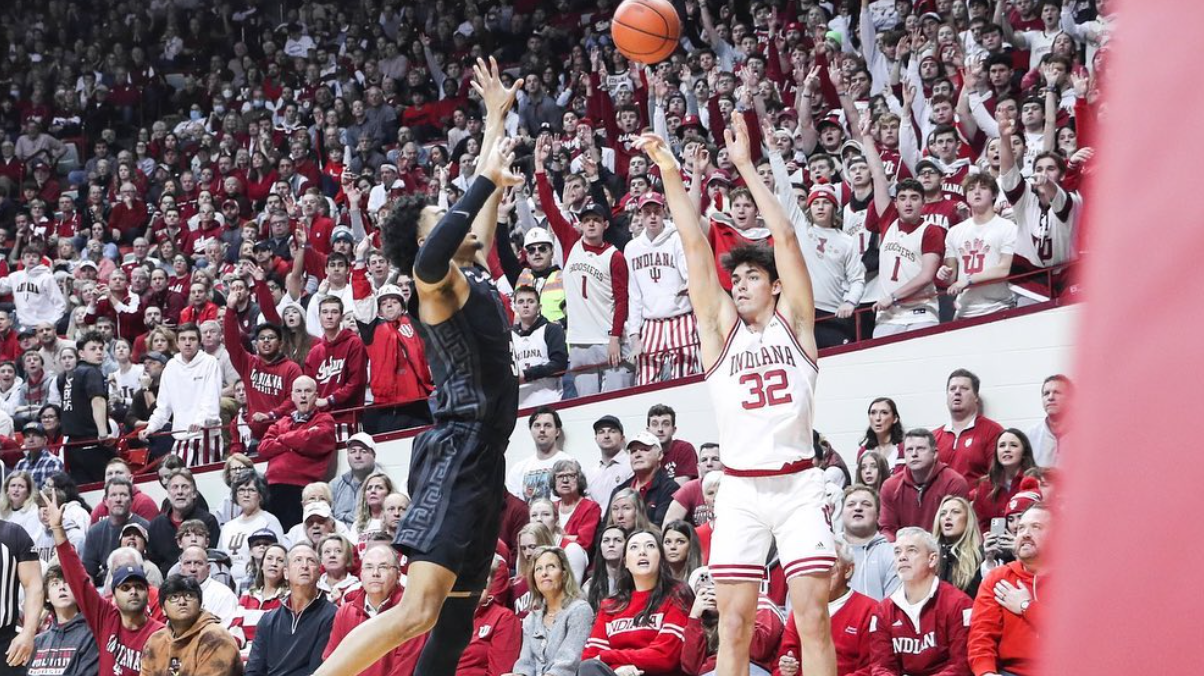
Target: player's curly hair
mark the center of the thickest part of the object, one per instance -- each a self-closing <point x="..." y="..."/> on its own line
<point x="757" y="255"/>
<point x="399" y="235"/>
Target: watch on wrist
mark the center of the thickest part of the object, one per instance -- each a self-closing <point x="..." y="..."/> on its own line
<point x="1024" y="606"/>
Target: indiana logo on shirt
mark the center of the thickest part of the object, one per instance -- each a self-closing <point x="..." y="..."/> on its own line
<point x="484" y="631"/>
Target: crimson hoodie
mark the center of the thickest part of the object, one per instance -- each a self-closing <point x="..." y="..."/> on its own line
<point x="767" y="633"/>
<point x="269" y="384"/>
<point x="906" y="503"/>
<point x="1000" y="639"/>
<point x="120" y="648"/>
<point x="654" y="648"/>
<point x="341" y="368"/>
<point x="298" y="448"/>
<point x="935" y="646"/>
<point x="850" y="634"/>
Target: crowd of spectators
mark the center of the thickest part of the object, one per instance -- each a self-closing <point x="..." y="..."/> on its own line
<point x="191" y="200"/>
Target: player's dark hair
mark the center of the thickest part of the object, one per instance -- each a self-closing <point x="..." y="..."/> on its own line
<point x="90" y="337"/>
<point x="667" y="589"/>
<point x="66" y="483"/>
<point x="545" y="410"/>
<point x="975" y="383"/>
<point x="179" y="584"/>
<point x="332" y="300"/>
<point x="823" y="157"/>
<point x="1000" y="60"/>
<point x="870" y="440"/>
<point x="997" y="475"/>
<point x="693" y="550"/>
<point x="756" y="255"/>
<point x="336" y="257"/>
<point x="909" y="184"/>
<point x="662" y="409"/>
<point x="526" y="288"/>
<point x="599" y="586"/>
<point x="400" y="232"/>
<point x="921" y="433"/>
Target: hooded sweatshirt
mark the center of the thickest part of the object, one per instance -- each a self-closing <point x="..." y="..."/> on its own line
<point x="907" y="503"/>
<point x="874" y="571"/>
<point x="37" y="296"/>
<point x="66" y="649"/>
<point x="205" y="649"/>
<point x="1000" y="639"/>
<point x="269" y="383"/>
<point x="656" y="278"/>
<point x="189" y="393"/>
<point x="341" y="368"/>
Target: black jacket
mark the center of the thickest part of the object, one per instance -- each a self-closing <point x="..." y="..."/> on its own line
<point x="657" y="497"/>
<point x="287" y="645"/>
<point x="162" y="548"/>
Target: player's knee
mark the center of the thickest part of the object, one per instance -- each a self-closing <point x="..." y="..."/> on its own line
<point x="735" y="629"/>
<point x="813" y="621"/>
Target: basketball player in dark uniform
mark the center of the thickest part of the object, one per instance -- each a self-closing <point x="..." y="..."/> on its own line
<point x="458" y="467"/>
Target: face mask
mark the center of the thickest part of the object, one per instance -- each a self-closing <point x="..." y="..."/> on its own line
<point x="219" y="109"/>
<point x="258" y="103"/>
<point x="195" y="115"/>
<point x="228" y="93"/>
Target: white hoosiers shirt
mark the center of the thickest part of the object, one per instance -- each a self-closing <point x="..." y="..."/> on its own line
<point x="834" y="264"/>
<point x="763" y="389"/>
<point x="589" y="294"/>
<point x="977" y="248"/>
<point x="1044" y="237"/>
<point x="656" y="279"/>
<point x="900" y="259"/>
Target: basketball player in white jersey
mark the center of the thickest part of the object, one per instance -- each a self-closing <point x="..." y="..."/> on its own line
<point x="758" y="351"/>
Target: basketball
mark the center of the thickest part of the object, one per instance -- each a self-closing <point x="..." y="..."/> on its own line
<point x="646" y="30"/>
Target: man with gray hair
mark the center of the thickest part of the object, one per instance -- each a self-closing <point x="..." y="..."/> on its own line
<point x="851" y="613"/>
<point x="922" y="627"/>
<point x="289" y="640"/>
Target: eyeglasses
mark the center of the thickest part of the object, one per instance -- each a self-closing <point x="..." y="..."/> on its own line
<point x="181" y="598"/>
<point x="572" y="476"/>
<point x="376" y="569"/>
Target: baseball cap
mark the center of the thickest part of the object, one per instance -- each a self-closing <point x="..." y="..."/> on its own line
<point x="831" y="118"/>
<point x="34" y="428"/>
<point x="126" y="573"/>
<point x="318" y="508"/>
<point x="788" y="112"/>
<point x="928" y="162"/>
<point x="931" y="15"/>
<point x="136" y="527"/>
<point x="720" y="175"/>
<point x="646" y="438"/>
<point x="608" y="421"/>
<point x="156" y="356"/>
<point x="592" y="207"/>
<point x="342" y="232"/>
<point x="795" y="26"/>
<point x="363" y="438"/>
<point x="230" y="203"/>
<point x="263" y="534"/>
<point x="384" y="292"/>
<point x="537" y="236"/>
<point x="689" y="122"/>
<point x="652" y="198"/>
<point x="88" y="264"/>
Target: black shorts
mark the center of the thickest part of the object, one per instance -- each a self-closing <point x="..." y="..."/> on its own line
<point x="457" y="488"/>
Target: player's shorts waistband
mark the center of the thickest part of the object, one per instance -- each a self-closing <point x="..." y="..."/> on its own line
<point x="789" y="468"/>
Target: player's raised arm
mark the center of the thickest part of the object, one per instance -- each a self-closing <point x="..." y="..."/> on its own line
<point x="712" y="306"/>
<point x="498" y="99"/>
<point x="797" y="294"/>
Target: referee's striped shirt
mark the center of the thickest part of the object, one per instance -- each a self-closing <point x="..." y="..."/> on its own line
<point x="16" y="547"/>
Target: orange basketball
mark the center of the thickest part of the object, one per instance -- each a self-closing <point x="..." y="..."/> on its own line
<point x="646" y="30"/>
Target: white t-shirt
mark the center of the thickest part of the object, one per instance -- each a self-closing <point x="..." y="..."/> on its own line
<point x="977" y="248"/>
<point x="235" y="532"/>
<point x="532" y="478"/>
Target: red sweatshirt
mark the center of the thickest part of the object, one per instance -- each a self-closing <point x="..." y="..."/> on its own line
<point x="850" y="634"/>
<point x="767" y="633"/>
<point x="340" y="366"/>
<point x="934" y="647"/>
<point x="298" y="449"/>
<point x="584" y="522"/>
<point x="986" y="507"/>
<point x="970" y="452"/>
<point x="120" y="648"/>
<point x="269" y="384"/>
<point x="497" y="639"/>
<point x="1000" y="639"/>
<point x="905" y="503"/>
<point x="398" y="662"/>
<point x="654" y="648"/>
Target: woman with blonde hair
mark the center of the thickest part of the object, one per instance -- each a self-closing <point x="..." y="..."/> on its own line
<point x="555" y="632"/>
<point x="543" y="510"/>
<point x="236" y="465"/>
<point x="531" y="538"/>
<point x="627" y="511"/>
<point x="369" y="505"/>
<point x="162" y="339"/>
<point x="17" y="504"/>
<point x="338" y="558"/>
<point x="956" y="529"/>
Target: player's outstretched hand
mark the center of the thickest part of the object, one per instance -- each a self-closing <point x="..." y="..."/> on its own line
<point x="735" y="137"/>
<point x="496" y="161"/>
<point x="487" y="81"/>
<point x="657" y="150"/>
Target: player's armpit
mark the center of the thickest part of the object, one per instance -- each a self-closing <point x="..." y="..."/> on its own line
<point x="439" y="301"/>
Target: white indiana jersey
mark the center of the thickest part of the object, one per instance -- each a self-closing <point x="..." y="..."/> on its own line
<point x="763" y="390"/>
<point x="854" y="225"/>
<point x="900" y="259"/>
<point x="1044" y="236"/>
<point x="532" y="350"/>
<point x="589" y="294"/>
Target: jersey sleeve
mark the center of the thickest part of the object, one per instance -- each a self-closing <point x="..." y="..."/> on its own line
<point x="933" y="241"/>
<point x="618" y="281"/>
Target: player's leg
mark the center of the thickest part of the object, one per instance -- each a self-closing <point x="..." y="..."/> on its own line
<point x="809" y="604"/>
<point x="427" y="587"/>
<point x="450" y="635"/>
<point x="737" y="602"/>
